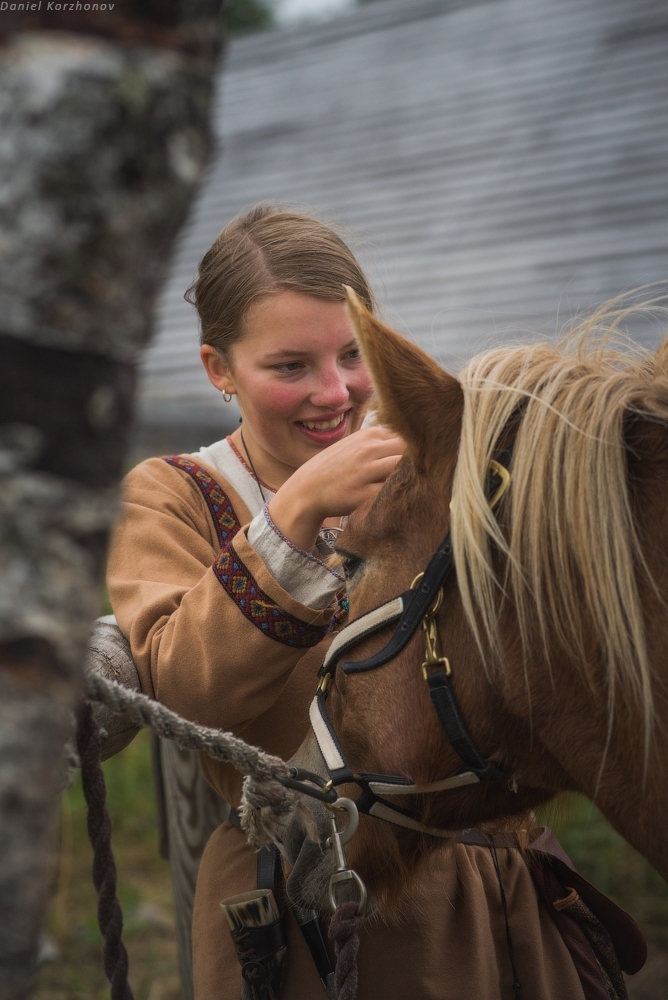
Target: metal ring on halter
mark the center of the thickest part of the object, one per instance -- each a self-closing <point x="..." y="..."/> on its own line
<point x="345" y="805"/>
<point x="438" y="601"/>
<point x="349" y="875"/>
<point x="499" y="472"/>
<point x="297" y="779"/>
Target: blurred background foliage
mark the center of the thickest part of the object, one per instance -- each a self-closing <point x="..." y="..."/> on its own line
<point x="243" y="16"/>
<point x="73" y="947"/>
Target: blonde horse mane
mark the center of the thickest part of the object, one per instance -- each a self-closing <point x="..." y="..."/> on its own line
<point x="570" y="545"/>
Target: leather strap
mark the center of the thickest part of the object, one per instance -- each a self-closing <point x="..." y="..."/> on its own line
<point x="266" y="858"/>
<point x="447" y="709"/>
<point x="266" y="867"/>
<point x="416" y="602"/>
<point x="416" y="605"/>
<point x="266" y="940"/>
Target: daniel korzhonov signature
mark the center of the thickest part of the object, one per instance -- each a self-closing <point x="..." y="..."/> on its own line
<point x="51" y="5"/>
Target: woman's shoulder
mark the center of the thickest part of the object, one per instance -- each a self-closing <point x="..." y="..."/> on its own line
<point x="185" y="480"/>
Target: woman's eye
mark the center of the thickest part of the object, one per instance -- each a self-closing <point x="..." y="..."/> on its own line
<point x="289" y="367"/>
<point x="354" y="355"/>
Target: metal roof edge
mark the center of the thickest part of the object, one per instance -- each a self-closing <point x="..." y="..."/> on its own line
<point x="267" y="46"/>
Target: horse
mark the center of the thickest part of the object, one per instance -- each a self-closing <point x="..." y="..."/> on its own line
<point x="552" y="624"/>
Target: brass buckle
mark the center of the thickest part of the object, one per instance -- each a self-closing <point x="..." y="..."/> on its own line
<point x="432" y="650"/>
<point x="432" y="644"/>
<point x="502" y="472"/>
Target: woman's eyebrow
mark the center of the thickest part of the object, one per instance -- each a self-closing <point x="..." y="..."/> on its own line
<point x="287" y="352"/>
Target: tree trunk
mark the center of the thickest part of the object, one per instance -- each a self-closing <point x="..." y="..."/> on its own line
<point x="103" y="138"/>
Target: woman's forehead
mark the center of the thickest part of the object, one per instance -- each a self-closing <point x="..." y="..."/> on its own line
<point x="290" y="323"/>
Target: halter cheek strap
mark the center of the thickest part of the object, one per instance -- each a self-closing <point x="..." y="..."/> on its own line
<point x="414" y="608"/>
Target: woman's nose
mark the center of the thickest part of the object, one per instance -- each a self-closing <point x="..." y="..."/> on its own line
<point x="330" y="389"/>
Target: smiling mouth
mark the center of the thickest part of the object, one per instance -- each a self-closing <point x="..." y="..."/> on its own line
<point x="323" y="425"/>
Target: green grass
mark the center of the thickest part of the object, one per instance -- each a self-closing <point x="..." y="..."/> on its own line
<point x="607" y="860"/>
<point x="145" y="889"/>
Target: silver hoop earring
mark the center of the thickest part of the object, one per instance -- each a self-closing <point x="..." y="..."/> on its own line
<point x="227" y="396"/>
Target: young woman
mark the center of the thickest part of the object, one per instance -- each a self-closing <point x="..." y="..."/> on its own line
<point x="218" y="577"/>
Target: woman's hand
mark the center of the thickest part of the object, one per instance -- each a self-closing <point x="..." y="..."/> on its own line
<point x="334" y="482"/>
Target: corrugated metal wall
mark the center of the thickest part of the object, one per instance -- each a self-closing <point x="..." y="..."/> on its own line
<point x="503" y="164"/>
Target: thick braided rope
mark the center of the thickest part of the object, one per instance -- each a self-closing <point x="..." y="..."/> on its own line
<point x="344" y="931"/>
<point x="109" y="913"/>
<point x="266" y="805"/>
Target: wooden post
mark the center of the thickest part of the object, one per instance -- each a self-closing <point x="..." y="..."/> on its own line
<point x="193" y="813"/>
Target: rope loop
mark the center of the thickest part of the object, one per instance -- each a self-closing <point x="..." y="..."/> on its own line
<point x="109" y="913"/>
<point x="267" y="806"/>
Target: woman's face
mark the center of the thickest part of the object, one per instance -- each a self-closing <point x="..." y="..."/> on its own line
<point x="298" y="375"/>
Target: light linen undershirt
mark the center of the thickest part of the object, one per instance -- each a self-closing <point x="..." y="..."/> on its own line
<point x="302" y="575"/>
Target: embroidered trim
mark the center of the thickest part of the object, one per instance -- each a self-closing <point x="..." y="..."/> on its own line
<point x="295" y="548"/>
<point x="259" y="608"/>
<point x="225" y="521"/>
<point x="236" y="578"/>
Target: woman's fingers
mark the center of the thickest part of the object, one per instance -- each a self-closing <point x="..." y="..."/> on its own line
<point x="335" y="482"/>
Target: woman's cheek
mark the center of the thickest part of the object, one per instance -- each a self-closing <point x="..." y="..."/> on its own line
<point x="275" y="400"/>
<point x="361" y="387"/>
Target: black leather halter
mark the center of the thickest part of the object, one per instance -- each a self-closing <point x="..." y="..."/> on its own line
<point x="414" y="608"/>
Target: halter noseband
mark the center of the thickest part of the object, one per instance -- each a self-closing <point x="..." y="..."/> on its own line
<point x="416" y="607"/>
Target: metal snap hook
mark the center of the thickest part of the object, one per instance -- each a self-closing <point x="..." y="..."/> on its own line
<point x="344" y="805"/>
<point x="337" y="842"/>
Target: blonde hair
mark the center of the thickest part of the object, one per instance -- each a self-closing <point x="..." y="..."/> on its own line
<point x="263" y="252"/>
<point x="570" y="544"/>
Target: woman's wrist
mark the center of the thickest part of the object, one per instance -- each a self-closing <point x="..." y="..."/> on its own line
<point x="295" y="519"/>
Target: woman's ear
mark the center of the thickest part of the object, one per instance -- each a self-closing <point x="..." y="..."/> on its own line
<point x="217" y="369"/>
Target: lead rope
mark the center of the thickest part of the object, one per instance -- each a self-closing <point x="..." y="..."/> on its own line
<point x="109" y="913"/>
<point x="344" y="928"/>
<point x="266" y="801"/>
<point x="266" y="804"/>
<point x="345" y="924"/>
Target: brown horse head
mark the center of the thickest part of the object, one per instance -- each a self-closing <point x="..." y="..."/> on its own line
<point x="554" y="622"/>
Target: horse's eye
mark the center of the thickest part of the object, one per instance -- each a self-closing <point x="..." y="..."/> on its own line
<point x="351" y="564"/>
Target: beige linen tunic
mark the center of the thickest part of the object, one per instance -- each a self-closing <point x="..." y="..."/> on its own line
<point x="218" y="638"/>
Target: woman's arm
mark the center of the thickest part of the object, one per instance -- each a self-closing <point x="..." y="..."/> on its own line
<point x="213" y="635"/>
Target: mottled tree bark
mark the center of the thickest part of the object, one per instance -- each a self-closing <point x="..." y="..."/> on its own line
<point x="103" y="138"/>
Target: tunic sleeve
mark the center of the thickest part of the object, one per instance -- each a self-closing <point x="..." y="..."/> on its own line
<point x="214" y="636"/>
<point x="303" y="574"/>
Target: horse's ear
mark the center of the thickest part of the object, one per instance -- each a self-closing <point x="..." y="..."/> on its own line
<point x="416" y="397"/>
